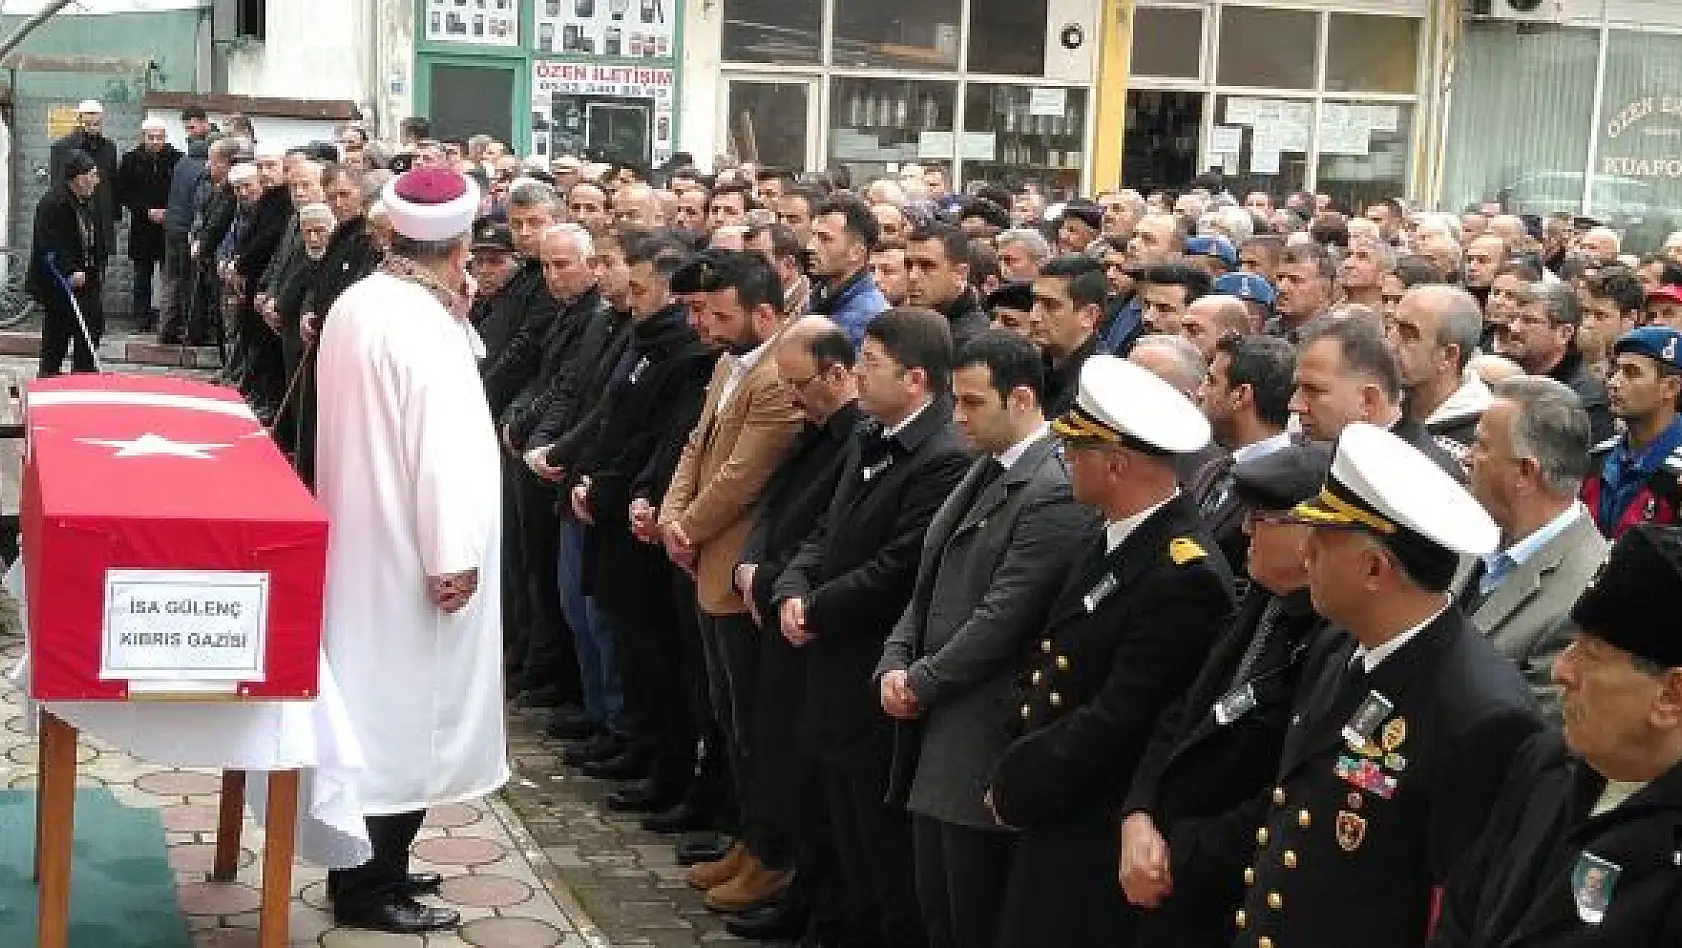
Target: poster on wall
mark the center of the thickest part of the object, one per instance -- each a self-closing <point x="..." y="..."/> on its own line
<point x="629" y="29"/>
<point x="478" y="22"/>
<point x="608" y="113"/>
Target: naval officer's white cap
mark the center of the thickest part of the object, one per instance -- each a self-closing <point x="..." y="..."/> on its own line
<point x="1385" y="486"/>
<point x="1120" y="403"/>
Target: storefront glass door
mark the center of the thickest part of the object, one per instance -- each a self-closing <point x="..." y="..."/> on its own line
<point x="770" y="120"/>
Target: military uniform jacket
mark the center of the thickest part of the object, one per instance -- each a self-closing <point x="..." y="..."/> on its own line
<point x="1546" y="874"/>
<point x="1204" y="778"/>
<point x="1361" y="828"/>
<point x="1127" y="633"/>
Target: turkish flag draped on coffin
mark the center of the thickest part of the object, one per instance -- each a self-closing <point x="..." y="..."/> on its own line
<point x="169" y="550"/>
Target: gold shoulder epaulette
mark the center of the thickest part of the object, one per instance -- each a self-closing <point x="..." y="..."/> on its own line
<point x="1183" y="550"/>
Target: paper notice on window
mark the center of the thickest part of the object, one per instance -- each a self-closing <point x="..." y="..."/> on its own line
<point x="1226" y="140"/>
<point x="180" y="625"/>
<point x="1384" y="118"/>
<point x="978" y="146"/>
<point x="1048" y="102"/>
<point x="1264" y="161"/>
<point x="1229" y="163"/>
<point x="1344" y="129"/>
<point x="1241" y="111"/>
<point x="936" y="145"/>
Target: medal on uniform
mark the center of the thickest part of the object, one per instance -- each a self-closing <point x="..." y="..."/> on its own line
<point x="1100" y="592"/>
<point x="877" y="468"/>
<point x="1358" y="731"/>
<point x="1366" y="775"/>
<point x="1351" y="830"/>
<point x="1592" y="880"/>
<point x="1394" y="733"/>
<point x="1235" y="704"/>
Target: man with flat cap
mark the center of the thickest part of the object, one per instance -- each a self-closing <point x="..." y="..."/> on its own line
<point x="1201" y="787"/>
<point x="1128" y="630"/>
<point x="1402" y="732"/>
<point x="1585" y="844"/>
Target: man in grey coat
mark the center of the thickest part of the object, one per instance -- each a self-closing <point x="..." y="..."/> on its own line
<point x="1526" y="465"/>
<point x="992" y="559"/>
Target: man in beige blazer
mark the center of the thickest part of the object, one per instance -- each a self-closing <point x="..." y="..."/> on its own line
<point x="746" y="428"/>
<point x="1527" y="464"/>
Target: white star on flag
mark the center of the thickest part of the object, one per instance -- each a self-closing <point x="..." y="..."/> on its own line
<point x="151" y="445"/>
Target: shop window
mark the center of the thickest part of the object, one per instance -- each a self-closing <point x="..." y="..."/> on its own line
<point x="1637" y="186"/>
<point x="1364" y="151"/>
<point x="1521" y="118"/>
<point x="1261" y="144"/>
<point x="878" y="124"/>
<point x="458" y="95"/>
<point x="773" y="31"/>
<point x="1167" y="41"/>
<point x="1372" y="54"/>
<point x="1007" y="37"/>
<point x="897" y="34"/>
<point x="1014" y="134"/>
<point x="1266" y="48"/>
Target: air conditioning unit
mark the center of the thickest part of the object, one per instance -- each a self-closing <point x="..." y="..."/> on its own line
<point x="1532" y="11"/>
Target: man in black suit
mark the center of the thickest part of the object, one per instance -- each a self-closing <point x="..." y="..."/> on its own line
<point x="815" y="359"/>
<point x="842" y="593"/>
<point x="1402" y="731"/>
<point x="1198" y="792"/>
<point x="1345" y="374"/>
<point x="1246" y="399"/>
<point x="67" y="238"/>
<point x="993" y="558"/>
<point x="89" y="138"/>
<point x="1127" y="631"/>
<point x="1585" y="843"/>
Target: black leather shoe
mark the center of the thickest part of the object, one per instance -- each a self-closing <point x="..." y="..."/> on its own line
<point x="418" y="883"/>
<point x="599" y="748"/>
<point x="422" y="883"/>
<point x="783" y="920"/>
<point x="710" y="848"/>
<point x="396" y="914"/>
<point x="572" y="727"/>
<point x="682" y="818"/>
<point x="640" y="796"/>
<point x="629" y="765"/>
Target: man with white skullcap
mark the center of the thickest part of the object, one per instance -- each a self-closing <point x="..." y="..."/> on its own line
<point x="1136" y="616"/>
<point x="1402" y="731"/>
<point x="88" y="137"/>
<point x="408" y="469"/>
<point x="143" y="189"/>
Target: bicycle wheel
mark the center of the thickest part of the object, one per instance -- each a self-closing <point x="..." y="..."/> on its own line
<point x="16" y="305"/>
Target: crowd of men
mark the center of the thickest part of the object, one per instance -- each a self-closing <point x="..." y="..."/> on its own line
<point x="963" y="570"/>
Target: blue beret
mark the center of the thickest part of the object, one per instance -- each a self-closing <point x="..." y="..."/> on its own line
<point x="1216" y="246"/>
<point x="1251" y="287"/>
<point x="1660" y="343"/>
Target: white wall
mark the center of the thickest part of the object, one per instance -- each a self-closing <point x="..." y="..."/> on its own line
<point x="699" y="107"/>
<point x="357" y="50"/>
<point x="286" y="131"/>
<point x="98" y="7"/>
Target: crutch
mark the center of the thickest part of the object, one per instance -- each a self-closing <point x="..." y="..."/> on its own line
<point x="75" y="307"/>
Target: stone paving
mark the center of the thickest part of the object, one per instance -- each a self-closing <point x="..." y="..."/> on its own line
<point x="508" y="894"/>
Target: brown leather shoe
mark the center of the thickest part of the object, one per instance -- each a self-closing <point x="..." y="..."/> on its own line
<point x="753" y="887"/>
<point x="710" y="875"/>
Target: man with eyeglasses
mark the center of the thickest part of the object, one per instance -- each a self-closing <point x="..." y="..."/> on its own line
<point x="1542" y="338"/>
<point x="1200" y="784"/>
<point x="1127" y="631"/>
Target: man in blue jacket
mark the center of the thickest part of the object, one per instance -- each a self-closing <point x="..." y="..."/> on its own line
<point x="844" y="231"/>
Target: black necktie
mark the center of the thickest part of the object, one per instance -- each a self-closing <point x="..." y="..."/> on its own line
<point x="1265" y="627"/>
<point x="1219" y="489"/>
<point x="990" y="472"/>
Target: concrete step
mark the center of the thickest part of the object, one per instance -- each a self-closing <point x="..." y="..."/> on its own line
<point x="121" y="351"/>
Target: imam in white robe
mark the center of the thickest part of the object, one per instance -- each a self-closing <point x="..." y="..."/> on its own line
<point x="409" y="470"/>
